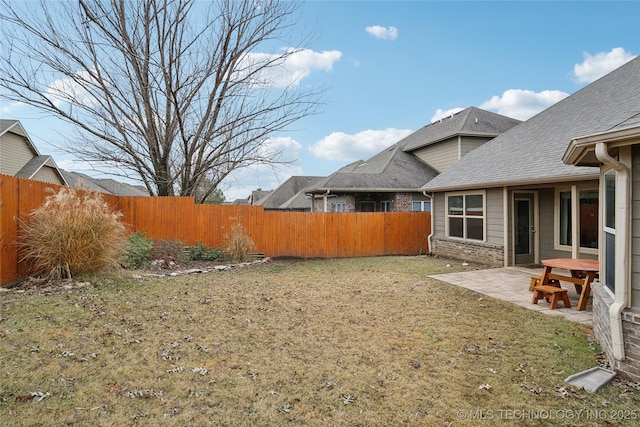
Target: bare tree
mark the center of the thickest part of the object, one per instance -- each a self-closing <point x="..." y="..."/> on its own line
<point x="173" y="92"/>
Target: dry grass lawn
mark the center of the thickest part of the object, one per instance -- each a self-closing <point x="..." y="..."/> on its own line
<point x="351" y="342"/>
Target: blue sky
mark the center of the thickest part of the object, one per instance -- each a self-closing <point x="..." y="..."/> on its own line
<point x="391" y="67"/>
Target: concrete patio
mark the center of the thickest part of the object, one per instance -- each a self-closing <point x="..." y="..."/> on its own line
<point x="512" y="284"/>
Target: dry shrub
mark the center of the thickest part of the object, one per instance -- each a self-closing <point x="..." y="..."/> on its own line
<point x="73" y="232"/>
<point x="239" y="244"/>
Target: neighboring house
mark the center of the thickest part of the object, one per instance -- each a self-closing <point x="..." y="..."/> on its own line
<point x="290" y="195"/>
<point x="20" y="157"/>
<point x="391" y="180"/>
<point x="103" y="185"/>
<point x="514" y="201"/>
<point x="614" y="147"/>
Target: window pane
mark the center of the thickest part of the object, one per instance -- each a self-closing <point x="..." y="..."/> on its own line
<point x="416" y="206"/>
<point x="455" y="227"/>
<point x="589" y="219"/>
<point x="455" y="205"/>
<point x="610" y="200"/>
<point x="426" y="206"/>
<point x="474" y="205"/>
<point x="564" y="221"/>
<point x="474" y="229"/>
<point x="610" y="260"/>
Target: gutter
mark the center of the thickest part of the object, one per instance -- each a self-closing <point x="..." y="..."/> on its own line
<point x="433" y="200"/>
<point x="622" y="245"/>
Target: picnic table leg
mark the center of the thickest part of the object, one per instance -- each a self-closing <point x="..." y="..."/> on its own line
<point x="586" y="291"/>
<point x="545" y="275"/>
<point x="579" y="274"/>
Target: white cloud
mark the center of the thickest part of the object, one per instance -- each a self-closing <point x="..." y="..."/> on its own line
<point x="67" y="90"/>
<point x="362" y="145"/>
<point x="75" y="165"/>
<point x="523" y="104"/>
<point x="7" y="108"/>
<point x="596" y="66"/>
<point x="291" y="70"/>
<point x="441" y="114"/>
<point x="384" y="33"/>
<point x="240" y="183"/>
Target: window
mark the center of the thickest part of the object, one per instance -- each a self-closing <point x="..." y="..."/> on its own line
<point x="385" y="206"/>
<point x="367" y="206"/>
<point x="338" y="207"/>
<point x="610" y="230"/>
<point x="465" y="216"/>
<point x="421" y="206"/>
<point x="587" y="218"/>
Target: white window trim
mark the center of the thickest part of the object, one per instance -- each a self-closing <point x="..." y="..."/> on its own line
<point x="385" y="203"/>
<point x="334" y="205"/>
<point x="556" y="215"/>
<point x="605" y="230"/>
<point x="483" y="193"/>
<point x="422" y="204"/>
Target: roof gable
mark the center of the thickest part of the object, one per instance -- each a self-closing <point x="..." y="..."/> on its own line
<point x="14" y="126"/>
<point x="471" y="121"/>
<point x="285" y="196"/>
<point x="390" y="170"/>
<point x="532" y="151"/>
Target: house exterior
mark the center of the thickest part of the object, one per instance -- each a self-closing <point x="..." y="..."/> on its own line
<point x="391" y="180"/>
<point x="19" y="156"/>
<point x="615" y="150"/>
<point x="513" y="201"/>
<point x="290" y="195"/>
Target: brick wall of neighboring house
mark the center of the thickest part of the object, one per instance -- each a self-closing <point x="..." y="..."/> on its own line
<point x="466" y="250"/>
<point x="401" y="202"/>
<point x="348" y="199"/>
<point x="602" y="301"/>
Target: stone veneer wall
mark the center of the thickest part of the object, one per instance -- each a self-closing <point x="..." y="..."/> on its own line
<point x="630" y="367"/>
<point x="466" y="250"/>
<point x="402" y="202"/>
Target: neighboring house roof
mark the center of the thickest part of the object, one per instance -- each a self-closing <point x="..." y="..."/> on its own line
<point x="290" y="194"/>
<point x="38" y="161"/>
<point x="532" y="151"/>
<point x="103" y="185"/>
<point x="256" y="195"/>
<point x="14" y="126"/>
<point x="391" y="170"/>
<point x="471" y="121"/>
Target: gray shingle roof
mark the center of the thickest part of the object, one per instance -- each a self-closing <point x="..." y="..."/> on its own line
<point x="532" y="151"/>
<point x="290" y="194"/>
<point x="103" y="185"/>
<point x="470" y="121"/>
<point x="390" y="170"/>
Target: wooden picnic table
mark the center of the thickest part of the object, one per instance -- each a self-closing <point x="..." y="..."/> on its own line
<point x="583" y="271"/>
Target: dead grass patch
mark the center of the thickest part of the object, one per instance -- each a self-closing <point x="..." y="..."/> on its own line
<point x="371" y="341"/>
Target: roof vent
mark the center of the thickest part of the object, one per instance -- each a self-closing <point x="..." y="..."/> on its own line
<point x="476" y="120"/>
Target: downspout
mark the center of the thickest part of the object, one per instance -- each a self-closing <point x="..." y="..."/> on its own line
<point x="433" y="201"/>
<point x="622" y="246"/>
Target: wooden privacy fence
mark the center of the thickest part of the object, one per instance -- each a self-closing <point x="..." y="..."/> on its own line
<point x="275" y="233"/>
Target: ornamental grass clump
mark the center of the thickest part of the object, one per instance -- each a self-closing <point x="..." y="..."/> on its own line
<point x="73" y="232"/>
<point x="239" y="244"/>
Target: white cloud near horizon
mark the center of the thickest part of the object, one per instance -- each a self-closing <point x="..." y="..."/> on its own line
<point x="241" y="182"/>
<point x="441" y="114"/>
<point x="595" y="66"/>
<point x="362" y="145"/>
<point x="383" y="33"/>
<point x="523" y="104"/>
